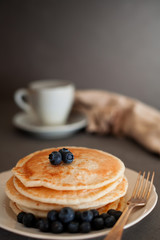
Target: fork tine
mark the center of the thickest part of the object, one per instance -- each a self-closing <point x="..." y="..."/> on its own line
<point x="141" y="185"/>
<point x="136" y="185"/>
<point x="146" y="184"/>
<point x="150" y="186"/>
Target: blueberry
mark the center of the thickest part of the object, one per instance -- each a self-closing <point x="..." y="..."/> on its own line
<point x="111" y="211"/>
<point x="117" y="214"/>
<point x="67" y="157"/>
<point x="109" y="221"/>
<point x="37" y="222"/>
<point x="29" y="220"/>
<point x="52" y="215"/>
<point x="43" y="225"/>
<point x="20" y="217"/>
<point x="104" y="215"/>
<point x="66" y="215"/>
<point x="85" y="227"/>
<point x="98" y="223"/>
<point x="73" y="227"/>
<point x="86" y="216"/>
<point x="57" y="227"/>
<point x="78" y="216"/>
<point x="55" y="158"/>
<point x="63" y="150"/>
<point x="95" y="213"/>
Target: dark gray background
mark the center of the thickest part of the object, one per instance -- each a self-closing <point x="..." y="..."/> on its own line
<point x="112" y="45"/>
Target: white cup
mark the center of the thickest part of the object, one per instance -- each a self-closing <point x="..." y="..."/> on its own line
<point x="49" y="100"/>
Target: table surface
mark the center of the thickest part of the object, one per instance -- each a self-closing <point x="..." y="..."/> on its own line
<point x="16" y="144"/>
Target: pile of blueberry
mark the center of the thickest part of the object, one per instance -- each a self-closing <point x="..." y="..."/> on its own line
<point x="63" y="154"/>
<point x="68" y="220"/>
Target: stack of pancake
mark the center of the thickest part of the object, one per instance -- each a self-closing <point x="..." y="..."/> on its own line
<point x="94" y="180"/>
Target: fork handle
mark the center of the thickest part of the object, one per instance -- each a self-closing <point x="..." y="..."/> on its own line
<point x="117" y="230"/>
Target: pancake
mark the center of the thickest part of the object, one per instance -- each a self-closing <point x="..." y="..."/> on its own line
<point x="90" y="169"/>
<point x="42" y="213"/>
<point x="112" y="205"/>
<point x="37" y="213"/>
<point x="78" y="195"/>
<point x="118" y="205"/>
<point x="121" y="205"/>
<point x="14" y="208"/>
<point x="47" y="195"/>
<point x="17" y="197"/>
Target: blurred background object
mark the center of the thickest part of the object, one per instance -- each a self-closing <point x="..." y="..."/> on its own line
<point x="99" y="44"/>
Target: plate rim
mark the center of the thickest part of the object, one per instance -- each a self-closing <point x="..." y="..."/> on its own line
<point x="93" y="234"/>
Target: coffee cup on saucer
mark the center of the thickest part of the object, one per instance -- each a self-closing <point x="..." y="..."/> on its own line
<point x="49" y="101"/>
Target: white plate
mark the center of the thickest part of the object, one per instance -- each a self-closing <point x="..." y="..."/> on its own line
<point x="27" y="123"/>
<point x="8" y="218"/>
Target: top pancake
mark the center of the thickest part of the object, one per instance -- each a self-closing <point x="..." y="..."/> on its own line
<point x="90" y="169"/>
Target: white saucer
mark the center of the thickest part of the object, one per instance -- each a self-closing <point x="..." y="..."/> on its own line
<point x="25" y="122"/>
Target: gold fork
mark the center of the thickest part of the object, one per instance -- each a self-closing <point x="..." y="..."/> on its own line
<point x="139" y="198"/>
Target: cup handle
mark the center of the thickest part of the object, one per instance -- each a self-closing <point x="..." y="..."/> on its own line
<point x="19" y="99"/>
